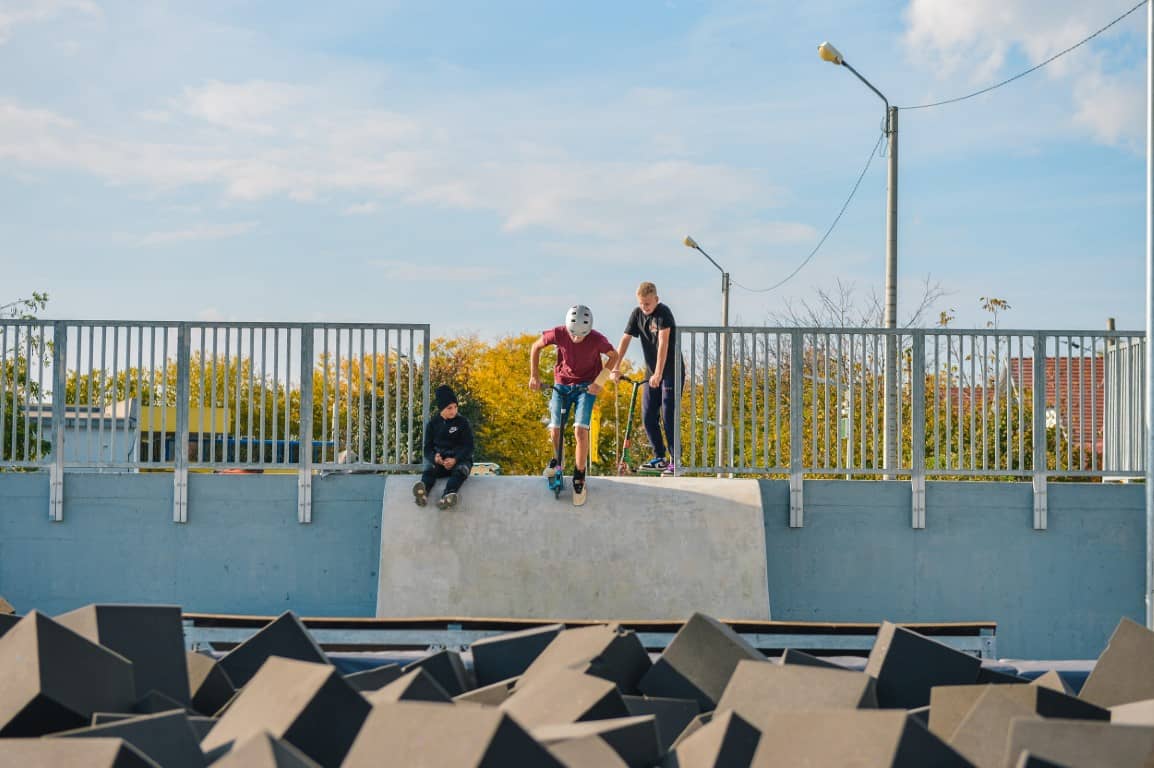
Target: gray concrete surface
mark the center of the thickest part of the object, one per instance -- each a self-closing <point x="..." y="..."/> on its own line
<point x="640" y="548"/>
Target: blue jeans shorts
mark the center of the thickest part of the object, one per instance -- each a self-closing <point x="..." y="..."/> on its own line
<point x="570" y="397"/>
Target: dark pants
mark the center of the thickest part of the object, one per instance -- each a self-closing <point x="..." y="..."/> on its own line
<point x="658" y="407"/>
<point x="457" y="476"/>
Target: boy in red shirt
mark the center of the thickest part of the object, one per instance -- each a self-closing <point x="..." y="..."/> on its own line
<point x="577" y="377"/>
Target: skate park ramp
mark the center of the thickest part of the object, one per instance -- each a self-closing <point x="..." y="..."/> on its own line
<point x="640" y="548"/>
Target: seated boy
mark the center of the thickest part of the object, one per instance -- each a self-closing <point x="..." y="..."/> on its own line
<point x="448" y="451"/>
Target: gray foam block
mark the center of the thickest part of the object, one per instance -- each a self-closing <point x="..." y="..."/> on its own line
<point x="419" y="733"/>
<point x="698" y="662"/>
<point x="1080" y="742"/>
<point x="604" y="650"/>
<point x="56" y="753"/>
<point x="862" y="737"/>
<point x="150" y="636"/>
<point x="982" y="734"/>
<point x="801" y="658"/>
<point x="166" y="738"/>
<point x="950" y="704"/>
<point x="672" y="715"/>
<point x="6" y="607"/>
<point x="285" y="636"/>
<point x="634" y="739"/>
<point x="1125" y="670"/>
<point x="416" y="685"/>
<point x="565" y="696"/>
<point x="209" y="684"/>
<point x="263" y="750"/>
<point x="308" y="705"/>
<point x="758" y="689"/>
<point x="54" y="679"/>
<point x="447" y="669"/>
<point x="588" y="752"/>
<point x="725" y="740"/>
<point x="374" y="679"/>
<point x="907" y="665"/>
<point x="492" y="695"/>
<point x="509" y="655"/>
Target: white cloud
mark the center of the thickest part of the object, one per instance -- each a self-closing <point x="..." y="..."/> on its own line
<point x="971" y="42"/>
<point x="13" y="14"/>
<point x="195" y="234"/>
<point x="256" y="106"/>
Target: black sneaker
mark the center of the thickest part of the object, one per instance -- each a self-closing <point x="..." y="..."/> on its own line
<point x="420" y="494"/>
<point x="447" y="501"/>
<point x="549" y="470"/>
<point x="578" y="482"/>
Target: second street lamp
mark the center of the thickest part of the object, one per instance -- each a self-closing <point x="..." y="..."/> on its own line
<point x="723" y="433"/>
<point x="828" y="53"/>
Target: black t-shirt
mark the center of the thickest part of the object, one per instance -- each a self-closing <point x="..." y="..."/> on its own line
<point x="647" y="328"/>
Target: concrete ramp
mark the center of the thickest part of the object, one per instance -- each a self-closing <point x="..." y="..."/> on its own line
<point x="640" y="548"/>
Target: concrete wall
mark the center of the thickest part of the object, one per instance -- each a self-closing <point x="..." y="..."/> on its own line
<point x="242" y="550"/>
<point x="1055" y="594"/>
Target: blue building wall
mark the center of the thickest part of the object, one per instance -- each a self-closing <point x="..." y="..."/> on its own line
<point x="1055" y="594"/>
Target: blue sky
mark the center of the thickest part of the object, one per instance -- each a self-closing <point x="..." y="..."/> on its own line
<point x="481" y="166"/>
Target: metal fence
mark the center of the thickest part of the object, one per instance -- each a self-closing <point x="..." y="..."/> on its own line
<point x="994" y="404"/>
<point x="243" y="397"/>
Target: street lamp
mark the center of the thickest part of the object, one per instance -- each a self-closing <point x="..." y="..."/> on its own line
<point x="722" y="359"/>
<point x="828" y="53"/>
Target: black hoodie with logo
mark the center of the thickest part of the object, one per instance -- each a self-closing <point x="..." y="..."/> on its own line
<point x="450" y="438"/>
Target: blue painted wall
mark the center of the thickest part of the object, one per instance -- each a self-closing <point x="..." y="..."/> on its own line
<point x="242" y="550"/>
<point x="1055" y="594"/>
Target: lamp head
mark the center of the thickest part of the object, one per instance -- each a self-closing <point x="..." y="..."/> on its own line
<point x="690" y="242"/>
<point x="828" y="53"/>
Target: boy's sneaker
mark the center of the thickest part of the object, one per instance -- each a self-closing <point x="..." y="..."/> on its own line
<point x="446" y="501"/>
<point x="657" y="462"/>
<point x="578" y="482"/>
<point x="420" y="494"/>
<point x="549" y="470"/>
<point x="670" y="469"/>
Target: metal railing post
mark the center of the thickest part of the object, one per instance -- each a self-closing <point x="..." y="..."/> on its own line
<point x="59" y="393"/>
<point x="918" y="428"/>
<point x="180" y="468"/>
<point x="1039" y="406"/>
<point x="796" y="428"/>
<point x="305" y="471"/>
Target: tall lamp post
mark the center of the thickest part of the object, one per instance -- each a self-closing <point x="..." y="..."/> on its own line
<point x="828" y="53"/>
<point x="722" y="360"/>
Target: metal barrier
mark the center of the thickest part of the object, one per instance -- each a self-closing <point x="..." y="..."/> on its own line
<point x="240" y="397"/>
<point x="811" y="402"/>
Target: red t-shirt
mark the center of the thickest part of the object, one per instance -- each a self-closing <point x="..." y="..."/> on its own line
<point x="577" y="362"/>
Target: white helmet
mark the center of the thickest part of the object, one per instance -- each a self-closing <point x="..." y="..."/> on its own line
<point x="579" y="321"/>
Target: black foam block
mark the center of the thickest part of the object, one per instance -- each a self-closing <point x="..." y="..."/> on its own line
<point x="907" y="665"/>
<point x="859" y="737"/>
<point x="603" y="650"/>
<point x="374" y="679"/>
<point x="921" y="714"/>
<point x="285" y="636"/>
<point x="988" y="676"/>
<point x="308" y="705"/>
<point x="90" y="753"/>
<point x="416" y="685"/>
<point x="672" y="715"/>
<point x="1125" y="671"/>
<point x="1080" y="742"/>
<point x="447" y="669"/>
<point x="155" y="702"/>
<point x="418" y="733"/>
<point x="166" y="738"/>
<point x="758" y="689"/>
<point x="564" y="696"/>
<point x="265" y="751"/>
<point x="7" y="621"/>
<point x="803" y="659"/>
<point x="100" y="718"/>
<point x="201" y="725"/>
<point x="695" y="725"/>
<point x="509" y="655"/>
<point x="210" y="685"/>
<point x="698" y="662"/>
<point x="1026" y="760"/>
<point x="492" y="695"/>
<point x="54" y="679"/>
<point x="725" y="740"/>
<point x="150" y="636"/>
<point x="634" y="739"/>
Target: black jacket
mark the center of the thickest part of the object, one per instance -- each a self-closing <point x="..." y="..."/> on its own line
<point x="451" y="438"/>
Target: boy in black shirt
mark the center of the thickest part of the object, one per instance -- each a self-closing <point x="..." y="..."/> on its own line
<point x="448" y="450"/>
<point x="653" y="323"/>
